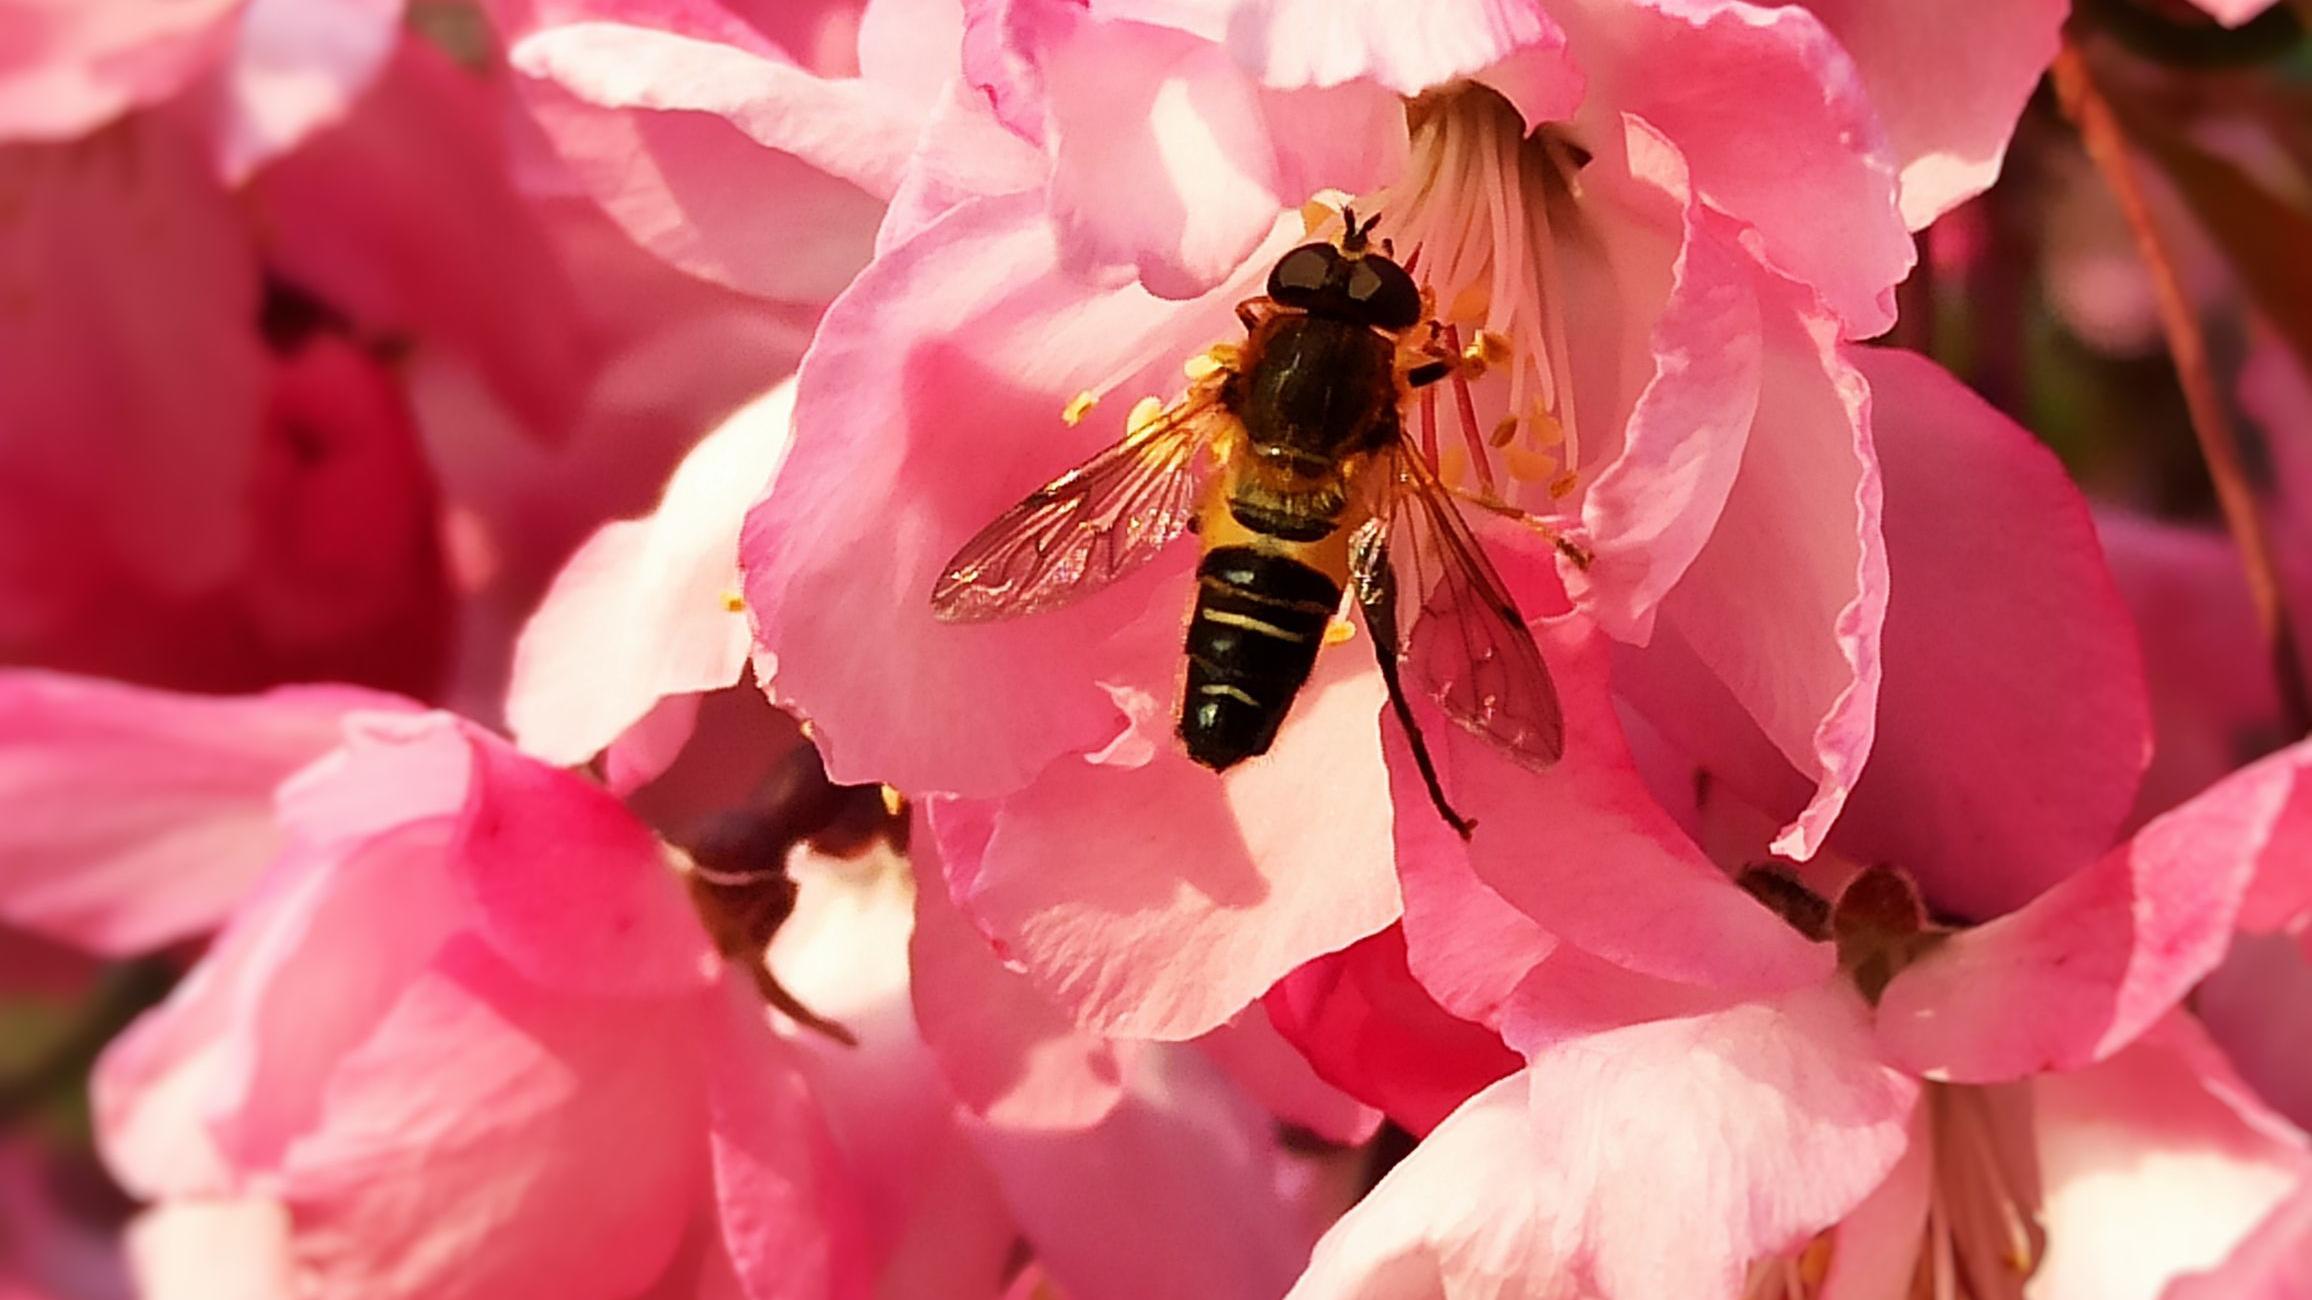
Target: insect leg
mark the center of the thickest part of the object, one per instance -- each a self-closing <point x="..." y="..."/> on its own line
<point x="1565" y="545"/>
<point x="1376" y="588"/>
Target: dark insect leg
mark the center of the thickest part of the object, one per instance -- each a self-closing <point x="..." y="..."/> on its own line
<point x="1377" y="594"/>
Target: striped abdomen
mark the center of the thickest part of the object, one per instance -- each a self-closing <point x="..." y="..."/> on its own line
<point x="1260" y="619"/>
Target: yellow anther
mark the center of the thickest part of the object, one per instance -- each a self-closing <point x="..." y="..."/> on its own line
<point x="1143" y="411"/>
<point x="1527" y="465"/>
<point x="1471" y="303"/>
<point x="1078" y="407"/>
<point x="894" y="802"/>
<point x="1340" y="630"/>
<point x="1452" y="462"/>
<point x="734" y="603"/>
<point x="1564" y="484"/>
<point x="1315" y="213"/>
<point x="1503" y="431"/>
<point x="1217" y="359"/>
<point x="1547" y="432"/>
<point x="1486" y="350"/>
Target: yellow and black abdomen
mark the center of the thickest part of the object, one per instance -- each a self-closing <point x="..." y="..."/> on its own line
<point x="1260" y="619"/>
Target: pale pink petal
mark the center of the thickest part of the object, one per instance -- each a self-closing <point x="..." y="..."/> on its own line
<point x="141" y="817"/>
<point x="938" y="381"/>
<point x="1786" y="601"/>
<point x="1948" y="82"/>
<point x="1008" y="1053"/>
<point x="460" y="1151"/>
<point x="2272" y="1263"/>
<point x="731" y="163"/>
<point x="1878" y="1242"/>
<point x="1805" y="163"/>
<point x="2154" y="1166"/>
<point x="649" y="608"/>
<point x="224" y="1249"/>
<point x="1408" y="48"/>
<point x="2090" y="964"/>
<point x="405" y="217"/>
<point x="69" y="66"/>
<point x="2232" y="13"/>
<point x="1174" y="1193"/>
<point x="1265" y="1065"/>
<point x="1368" y="1028"/>
<point x="1771" y="1120"/>
<point x="1148" y="924"/>
<point x="2012" y="720"/>
<point x="132" y="381"/>
<point x="295" y="66"/>
<point x="1468" y="946"/>
<point x="964" y="153"/>
<point x="789" y="1214"/>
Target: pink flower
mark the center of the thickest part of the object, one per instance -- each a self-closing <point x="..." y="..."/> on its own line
<point x="2231" y="13"/>
<point x="394" y="1070"/>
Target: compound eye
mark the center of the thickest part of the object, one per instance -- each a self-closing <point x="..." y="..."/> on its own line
<point x="1385" y="293"/>
<point x="1301" y="273"/>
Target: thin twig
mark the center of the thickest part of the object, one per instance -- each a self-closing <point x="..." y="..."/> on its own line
<point x="2107" y="147"/>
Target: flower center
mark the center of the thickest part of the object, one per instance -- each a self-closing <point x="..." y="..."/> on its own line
<point x="1473" y="218"/>
<point x="1983" y="1240"/>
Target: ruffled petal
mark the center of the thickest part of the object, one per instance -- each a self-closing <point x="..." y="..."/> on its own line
<point x="1265" y="1065"/>
<point x="1805" y="164"/>
<point x="70" y="68"/>
<point x="142" y="817"/>
<point x="930" y="403"/>
<point x="649" y="608"/>
<point x="1785" y="604"/>
<point x="1149" y="924"/>
<point x="2012" y="720"/>
<point x="2155" y="1165"/>
<point x="1948" y="83"/>
<point x="295" y="67"/>
<point x="1407" y="48"/>
<point x="1771" y="1118"/>
<point x="2090" y="964"/>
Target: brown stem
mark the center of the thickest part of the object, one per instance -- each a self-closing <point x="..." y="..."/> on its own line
<point x="2107" y="147"/>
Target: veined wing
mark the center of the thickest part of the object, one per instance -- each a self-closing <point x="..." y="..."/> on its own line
<point x="1455" y="631"/>
<point x="1091" y="525"/>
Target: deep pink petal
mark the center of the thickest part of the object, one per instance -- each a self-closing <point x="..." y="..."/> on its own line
<point x="931" y="402"/>
<point x="295" y="66"/>
<point x="1948" y="84"/>
<point x="1805" y="163"/>
<point x="70" y="67"/>
<point x="789" y="1214"/>
<point x="2012" y="720"/>
<point x="459" y="1152"/>
<point x="405" y="216"/>
<point x="760" y="175"/>
<point x="132" y="380"/>
<point x="1006" y="1050"/>
<point x="2155" y="1165"/>
<point x="1773" y="1116"/>
<point x="1269" y="1069"/>
<point x="2255" y="1006"/>
<point x="1158" y="901"/>
<point x="1368" y="1028"/>
<point x="2090" y="964"/>
<point x="141" y="817"/>
<point x="1785" y="604"/>
<point x="649" y="608"/>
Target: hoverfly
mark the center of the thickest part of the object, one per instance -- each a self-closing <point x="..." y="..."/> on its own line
<point x="1291" y="461"/>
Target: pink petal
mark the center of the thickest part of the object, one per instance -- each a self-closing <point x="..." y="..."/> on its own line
<point x="405" y="216"/>
<point x="1762" y="1124"/>
<point x="225" y="1249"/>
<point x="1785" y="603"/>
<point x="2272" y="1263"/>
<point x="141" y="817"/>
<point x="2232" y="13"/>
<point x="1009" y="1054"/>
<point x="1948" y="85"/>
<point x="649" y="608"/>
<point x="2153" y="1168"/>
<point x="1157" y="901"/>
<point x="132" y="379"/>
<point x="459" y="1149"/>
<point x="1805" y="164"/>
<point x="73" y="65"/>
<point x="1267" y="1067"/>
<point x="1468" y="946"/>
<point x="1174" y="1193"/>
<point x="1407" y="48"/>
<point x="2012" y="720"/>
<point x="1878" y="1242"/>
<point x="788" y="1214"/>
<point x="295" y="66"/>
<point x="1370" y="1030"/>
<point x="760" y="175"/>
<point x="937" y="381"/>
<point x="2090" y="964"/>
<point x="2254" y="1005"/>
<point x="647" y="750"/>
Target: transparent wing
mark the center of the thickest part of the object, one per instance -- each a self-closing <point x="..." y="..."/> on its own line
<point x="1091" y="525"/>
<point x="1433" y="600"/>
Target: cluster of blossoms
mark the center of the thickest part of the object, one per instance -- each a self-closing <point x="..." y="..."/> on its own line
<point x="561" y="894"/>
